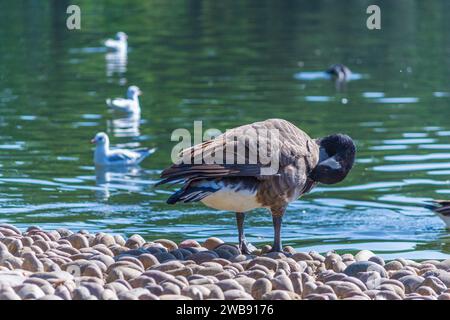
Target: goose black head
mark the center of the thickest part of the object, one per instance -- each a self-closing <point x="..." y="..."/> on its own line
<point x="337" y="155"/>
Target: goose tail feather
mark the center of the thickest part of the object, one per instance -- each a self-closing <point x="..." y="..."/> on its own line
<point x="191" y="194"/>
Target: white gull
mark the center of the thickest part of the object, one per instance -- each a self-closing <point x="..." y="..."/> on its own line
<point x="120" y="43"/>
<point x="104" y="156"/>
<point x="130" y="104"/>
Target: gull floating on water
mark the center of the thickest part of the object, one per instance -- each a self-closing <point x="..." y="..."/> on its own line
<point x="103" y="156"/>
<point x="130" y="104"/>
<point x="120" y="43"/>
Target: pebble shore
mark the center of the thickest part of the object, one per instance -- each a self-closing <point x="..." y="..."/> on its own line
<point x="63" y="265"/>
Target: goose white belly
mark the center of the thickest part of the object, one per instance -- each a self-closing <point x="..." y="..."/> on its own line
<point x="446" y="219"/>
<point x="232" y="199"/>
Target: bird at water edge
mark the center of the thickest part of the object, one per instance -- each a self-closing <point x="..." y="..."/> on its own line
<point x="303" y="163"/>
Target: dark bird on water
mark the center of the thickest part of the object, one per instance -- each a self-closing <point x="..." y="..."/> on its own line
<point x="240" y="187"/>
<point x="442" y="209"/>
<point x="340" y="72"/>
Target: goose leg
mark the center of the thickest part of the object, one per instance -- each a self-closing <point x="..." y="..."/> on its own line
<point x="277" y="246"/>
<point x="277" y="218"/>
<point x="244" y="246"/>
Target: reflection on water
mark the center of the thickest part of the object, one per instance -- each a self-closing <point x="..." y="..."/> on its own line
<point x="52" y="102"/>
<point x="116" y="65"/>
<point x="127" y="126"/>
<point x="320" y="75"/>
<point x="116" y="178"/>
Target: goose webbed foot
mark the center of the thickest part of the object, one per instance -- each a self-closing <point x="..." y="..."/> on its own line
<point x="246" y="247"/>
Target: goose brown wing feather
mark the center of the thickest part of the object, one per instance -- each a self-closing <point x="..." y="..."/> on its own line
<point x="290" y="143"/>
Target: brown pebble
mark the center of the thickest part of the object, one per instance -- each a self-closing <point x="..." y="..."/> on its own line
<point x="212" y="243"/>
<point x="27" y="241"/>
<point x="169" y="265"/>
<point x="29" y="291"/>
<point x="280" y="295"/>
<point x="189" y="244"/>
<point x="173" y="297"/>
<point x="411" y="282"/>
<point x="109" y="294"/>
<point x="93" y="270"/>
<point x="202" y="256"/>
<point x="331" y="260"/>
<point x="386" y="295"/>
<point x="246" y="283"/>
<point x="31" y="263"/>
<point x="127" y="296"/>
<point x="148" y="260"/>
<point x="275" y="255"/>
<point x="15" y="246"/>
<point x="62" y="292"/>
<point x="170" y="288"/>
<point x="168" y="244"/>
<point x="309" y="288"/>
<point x="302" y="256"/>
<point x="234" y="294"/>
<point x="134" y="242"/>
<point x="44" y="245"/>
<point x="444" y="296"/>
<point x="282" y="283"/>
<point x="78" y="241"/>
<point x="221" y="261"/>
<point x="119" y="240"/>
<point x="229" y="284"/>
<point x="344" y="289"/>
<point x="105" y="239"/>
<point x="159" y="276"/>
<point x="289" y="249"/>
<point x="117" y="287"/>
<point x="183" y="271"/>
<point x="10" y="227"/>
<point x="124" y="263"/>
<point x="44" y="285"/>
<point x="256" y="274"/>
<point x="195" y="292"/>
<point x="434" y="283"/>
<point x="267" y="262"/>
<point x="261" y="287"/>
<point x="101" y="248"/>
<point x="122" y="272"/>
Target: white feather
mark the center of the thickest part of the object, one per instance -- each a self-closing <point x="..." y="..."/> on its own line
<point x="130" y="104"/>
<point x="124" y="105"/>
<point x="229" y="198"/>
<point x="118" y="44"/>
<point x="446" y="219"/>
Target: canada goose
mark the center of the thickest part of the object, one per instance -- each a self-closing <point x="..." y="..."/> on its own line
<point x="442" y="209"/>
<point x="303" y="162"/>
<point x="340" y="72"/>
<point x="130" y="104"/>
<point x="103" y="156"/>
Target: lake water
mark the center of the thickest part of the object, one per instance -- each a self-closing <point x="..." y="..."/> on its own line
<point x="227" y="64"/>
